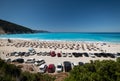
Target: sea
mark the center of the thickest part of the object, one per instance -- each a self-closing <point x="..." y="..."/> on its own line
<point x="69" y="36"/>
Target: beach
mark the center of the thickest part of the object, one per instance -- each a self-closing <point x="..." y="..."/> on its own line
<point x="12" y="45"/>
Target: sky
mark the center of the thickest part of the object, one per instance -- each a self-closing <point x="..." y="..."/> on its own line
<point x="63" y="15"/>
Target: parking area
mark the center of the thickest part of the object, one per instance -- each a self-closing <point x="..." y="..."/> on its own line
<point x="54" y="62"/>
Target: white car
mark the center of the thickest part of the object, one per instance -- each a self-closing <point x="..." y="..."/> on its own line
<point x="75" y="64"/>
<point x="118" y="55"/>
<point x="59" y="67"/>
<point x="39" y="62"/>
<point x="64" y="54"/>
<point x="92" y="55"/>
<point x="7" y="60"/>
<point x="43" y="68"/>
<point x="16" y="54"/>
<point x="31" y="53"/>
<point x="69" y="54"/>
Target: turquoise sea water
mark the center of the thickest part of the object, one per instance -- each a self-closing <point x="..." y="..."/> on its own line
<point x="101" y="37"/>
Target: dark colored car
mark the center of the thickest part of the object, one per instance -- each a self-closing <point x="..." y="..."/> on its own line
<point x="80" y="54"/>
<point x="80" y="63"/>
<point x="59" y="54"/>
<point x="105" y="54"/>
<point x="13" y="53"/>
<point x="112" y="55"/>
<point x="102" y="54"/>
<point x="19" y="60"/>
<point x="75" y="54"/>
<point x="67" y="66"/>
<point x="108" y="54"/>
<point x="97" y="54"/>
<point x="22" y="53"/>
<point x="51" y="68"/>
<point x="86" y="54"/>
<point x="52" y="53"/>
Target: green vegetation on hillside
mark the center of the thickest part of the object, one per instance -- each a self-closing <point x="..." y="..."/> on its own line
<point x="106" y="70"/>
<point x="11" y="28"/>
<point x="10" y="72"/>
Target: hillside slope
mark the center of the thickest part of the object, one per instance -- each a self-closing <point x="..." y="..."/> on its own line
<point x="12" y="28"/>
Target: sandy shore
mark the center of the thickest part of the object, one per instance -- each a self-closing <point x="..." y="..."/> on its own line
<point x="6" y="47"/>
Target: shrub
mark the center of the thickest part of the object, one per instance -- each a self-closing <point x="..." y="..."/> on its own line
<point x="106" y="70"/>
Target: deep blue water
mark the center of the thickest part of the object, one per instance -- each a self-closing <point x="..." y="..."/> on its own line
<point x="102" y="37"/>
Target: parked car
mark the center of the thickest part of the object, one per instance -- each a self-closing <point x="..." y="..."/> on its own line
<point x="22" y="53"/>
<point x="97" y="54"/>
<point x="30" y="60"/>
<point x="19" y="60"/>
<point x="67" y="66"/>
<point x="64" y="54"/>
<point x="108" y="54"/>
<point x="80" y="63"/>
<point x="59" y="54"/>
<point x="75" y="64"/>
<point x="86" y="54"/>
<point x="69" y="54"/>
<point x="13" y="53"/>
<point x="105" y="54"/>
<point x="118" y="55"/>
<point x="48" y="54"/>
<point x="52" y="53"/>
<point x="92" y="55"/>
<point x="31" y="50"/>
<point x="59" y="67"/>
<point x="19" y="53"/>
<point x="75" y="54"/>
<point x="51" y="68"/>
<point x="7" y="60"/>
<point x="112" y="55"/>
<point x="39" y="62"/>
<point x="34" y="52"/>
<point x="27" y="54"/>
<point x="16" y="54"/>
<point x="39" y="53"/>
<point x="31" y="53"/>
<point x="80" y="54"/>
<point x="43" y="68"/>
<point x="44" y="53"/>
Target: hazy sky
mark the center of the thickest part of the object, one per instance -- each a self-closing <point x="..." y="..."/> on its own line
<point x="63" y="15"/>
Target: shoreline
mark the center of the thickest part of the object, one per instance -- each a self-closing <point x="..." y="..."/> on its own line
<point x="27" y="39"/>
